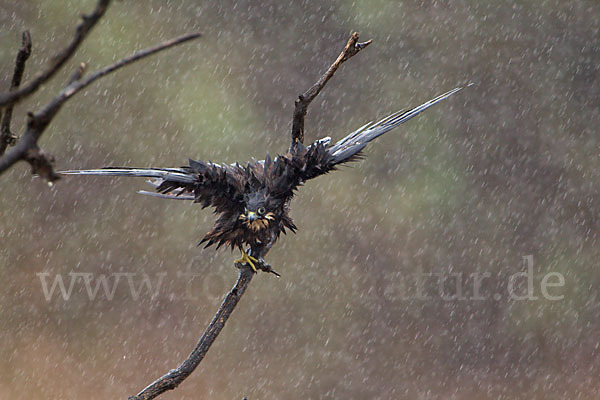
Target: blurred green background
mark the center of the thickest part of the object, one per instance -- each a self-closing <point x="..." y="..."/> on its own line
<point x="506" y="169"/>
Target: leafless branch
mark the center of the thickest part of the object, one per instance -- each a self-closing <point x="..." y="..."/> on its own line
<point x="39" y="121"/>
<point x="301" y="106"/>
<point x="27" y="149"/>
<point x="81" y="32"/>
<point x="175" y="376"/>
<point x="76" y="86"/>
<point x="6" y="136"/>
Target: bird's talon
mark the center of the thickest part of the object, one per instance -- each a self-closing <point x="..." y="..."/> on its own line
<point x="253" y="267"/>
<point x="247" y="259"/>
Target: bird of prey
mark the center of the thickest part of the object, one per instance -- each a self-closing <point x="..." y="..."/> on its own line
<point x="252" y="201"/>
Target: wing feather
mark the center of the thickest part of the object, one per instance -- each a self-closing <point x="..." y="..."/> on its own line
<point x="204" y="182"/>
<point x="302" y="163"/>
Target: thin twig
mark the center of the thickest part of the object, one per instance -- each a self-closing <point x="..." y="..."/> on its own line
<point x="39" y="121"/>
<point x="174" y="377"/>
<point x="6" y="136"/>
<point x="76" y="86"/>
<point x="81" y="68"/>
<point x="81" y="32"/>
<point x="301" y="105"/>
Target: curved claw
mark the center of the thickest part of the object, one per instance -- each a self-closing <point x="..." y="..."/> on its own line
<point x="255" y="263"/>
<point x="247" y="259"/>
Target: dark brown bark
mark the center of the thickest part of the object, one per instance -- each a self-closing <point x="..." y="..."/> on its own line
<point x="301" y="105"/>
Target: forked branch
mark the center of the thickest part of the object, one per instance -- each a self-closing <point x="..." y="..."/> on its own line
<point x="81" y="32"/>
<point x="174" y="377"/>
<point x="301" y="106"/>
<point x="27" y="149"/>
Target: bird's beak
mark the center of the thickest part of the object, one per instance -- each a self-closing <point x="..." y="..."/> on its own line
<point x="251" y="216"/>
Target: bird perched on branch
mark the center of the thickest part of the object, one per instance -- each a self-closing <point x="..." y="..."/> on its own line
<point x="252" y="201"/>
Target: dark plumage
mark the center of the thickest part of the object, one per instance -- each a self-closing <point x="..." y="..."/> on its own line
<point x="253" y="200"/>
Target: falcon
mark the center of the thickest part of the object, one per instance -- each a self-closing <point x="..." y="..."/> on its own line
<point x="252" y="201"/>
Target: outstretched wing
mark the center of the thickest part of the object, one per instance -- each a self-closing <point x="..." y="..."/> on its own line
<point x="209" y="184"/>
<point x="302" y="163"/>
<point x="352" y="144"/>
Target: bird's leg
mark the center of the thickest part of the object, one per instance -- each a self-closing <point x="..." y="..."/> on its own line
<point x="246" y="259"/>
<point x="258" y="252"/>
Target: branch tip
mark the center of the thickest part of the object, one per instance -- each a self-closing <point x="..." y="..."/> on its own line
<point x="78" y="73"/>
<point x="26" y="44"/>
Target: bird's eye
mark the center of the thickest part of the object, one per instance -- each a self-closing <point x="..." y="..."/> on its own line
<point x="261" y="210"/>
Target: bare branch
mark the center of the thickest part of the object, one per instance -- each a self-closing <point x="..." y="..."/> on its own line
<point x="81" y="32"/>
<point x="39" y="121"/>
<point x="301" y="105"/>
<point x="76" y="86"/>
<point x="6" y="136"/>
<point x="174" y="377"/>
<point x="27" y="149"/>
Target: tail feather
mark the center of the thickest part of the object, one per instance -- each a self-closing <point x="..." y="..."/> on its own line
<point x="351" y="145"/>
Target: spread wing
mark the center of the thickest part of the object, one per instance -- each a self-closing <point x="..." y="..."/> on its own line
<point x="209" y="184"/>
<point x="301" y="163"/>
<point x="222" y="186"/>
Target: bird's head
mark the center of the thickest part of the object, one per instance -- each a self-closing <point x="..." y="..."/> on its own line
<point x="258" y="212"/>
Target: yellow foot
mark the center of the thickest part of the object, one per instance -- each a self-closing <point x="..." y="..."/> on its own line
<point x="246" y="259"/>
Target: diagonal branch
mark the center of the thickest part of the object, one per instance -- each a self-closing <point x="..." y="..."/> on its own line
<point x="174" y="377"/>
<point x="81" y="32"/>
<point x="39" y="121"/>
<point x="301" y="105"/>
<point x="77" y="85"/>
<point x="6" y="136"/>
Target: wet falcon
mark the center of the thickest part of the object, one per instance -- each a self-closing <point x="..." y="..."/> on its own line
<point x="252" y="201"/>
